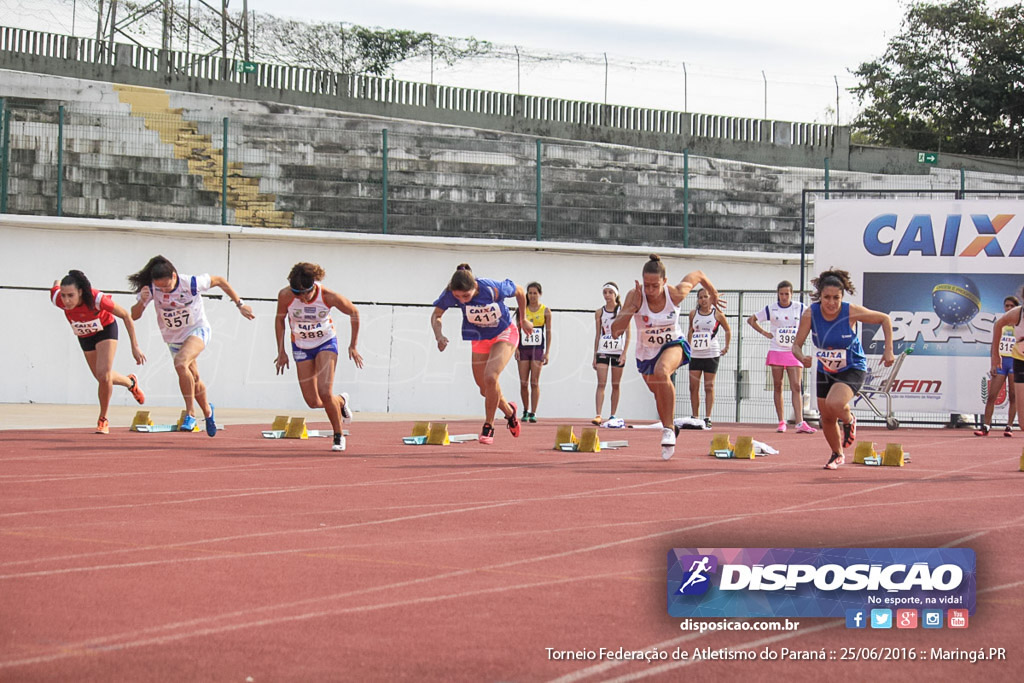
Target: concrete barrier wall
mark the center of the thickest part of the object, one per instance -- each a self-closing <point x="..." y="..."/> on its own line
<point x="393" y="281"/>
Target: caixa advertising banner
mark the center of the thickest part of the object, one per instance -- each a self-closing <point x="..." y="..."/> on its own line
<point x="941" y="269"/>
<point x="817" y="582"/>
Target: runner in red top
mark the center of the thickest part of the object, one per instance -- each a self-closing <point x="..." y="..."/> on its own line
<point x="91" y="314"/>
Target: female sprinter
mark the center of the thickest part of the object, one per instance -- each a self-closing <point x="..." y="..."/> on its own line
<point x="705" y="321"/>
<point x="487" y="324"/>
<point x="842" y="365"/>
<point x="179" y="308"/>
<point x="1014" y="319"/>
<point x="91" y="314"/>
<point x="783" y="314"/>
<point x="1002" y="375"/>
<point x="609" y="351"/>
<point x="306" y="307"/>
<point x="533" y="350"/>
<point x="661" y="347"/>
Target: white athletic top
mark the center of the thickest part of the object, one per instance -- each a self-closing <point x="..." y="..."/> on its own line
<point x="1018" y="332"/>
<point x="654" y="329"/>
<point x="181" y="311"/>
<point x="784" y="323"/>
<point x="311" y="323"/>
<point x="704" y="343"/>
<point x="608" y="345"/>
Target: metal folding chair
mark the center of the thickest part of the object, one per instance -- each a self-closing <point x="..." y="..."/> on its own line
<point x="879" y="383"/>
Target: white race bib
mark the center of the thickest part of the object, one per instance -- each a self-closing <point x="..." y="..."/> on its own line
<point x="658" y="336"/>
<point x="831" y="360"/>
<point x="484" y="316"/>
<point x="87" y="328"/>
<point x="611" y="346"/>
<point x="785" y="336"/>
<point x="321" y="329"/>
<point x="177" y="318"/>
<point x="701" y="341"/>
<point x="1006" y="344"/>
<point x="535" y="338"/>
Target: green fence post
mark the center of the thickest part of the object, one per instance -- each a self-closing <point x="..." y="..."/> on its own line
<point x="60" y="160"/>
<point x="224" y="176"/>
<point x="739" y="353"/>
<point x="5" y="152"/>
<point x="384" y="180"/>
<point x="686" y="198"/>
<point x="826" y="177"/>
<point x="539" y="226"/>
<point x="963" y="181"/>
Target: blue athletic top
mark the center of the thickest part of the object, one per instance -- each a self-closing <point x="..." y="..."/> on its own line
<point x="838" y="346"/>
<point x="485" y="316"/>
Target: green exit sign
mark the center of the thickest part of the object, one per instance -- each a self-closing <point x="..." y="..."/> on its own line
<point x="927" y="158"/>
<point x="245" y="67"/>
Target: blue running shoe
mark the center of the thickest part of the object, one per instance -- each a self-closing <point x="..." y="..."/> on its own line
<point x="188" y="424"/>
<point x="211" y="424"/>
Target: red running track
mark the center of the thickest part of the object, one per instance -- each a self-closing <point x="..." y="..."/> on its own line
<point x="159" y="557"/>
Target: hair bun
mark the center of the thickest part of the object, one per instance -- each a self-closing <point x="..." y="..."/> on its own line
<point x="654" y="257"/>
<point x="463" y="266"/>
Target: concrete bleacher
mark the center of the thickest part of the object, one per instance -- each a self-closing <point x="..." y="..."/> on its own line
<point x="155" y="155"/>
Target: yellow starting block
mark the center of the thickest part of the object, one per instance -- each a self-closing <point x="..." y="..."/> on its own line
<point x="426" y="433"/>
<point x="420" y="429"/>
<point x="589" y="443"/>
<point x="565" y="435"/>
<point x="1021" y="469"/>
<point x="894" y="456"/>
<point x="864" y="450"/>
<point x="744" y="448"/>
<point x="141" y="419"/>
<point x="285" y="427"/>
<point x="438" y="435"/>
<point x="720" y="442"/>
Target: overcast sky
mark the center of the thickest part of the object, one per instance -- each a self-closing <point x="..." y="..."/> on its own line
<point x="787" y="60"/>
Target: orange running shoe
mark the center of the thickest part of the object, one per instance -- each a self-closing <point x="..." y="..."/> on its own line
<point x="102" y="426"/>
<point x="136" y="390"/>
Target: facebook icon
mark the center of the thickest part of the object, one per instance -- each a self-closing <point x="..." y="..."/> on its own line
<point x="856" y="618"/>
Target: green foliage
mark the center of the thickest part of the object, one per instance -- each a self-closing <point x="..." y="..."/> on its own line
<point x="951" y="80"/>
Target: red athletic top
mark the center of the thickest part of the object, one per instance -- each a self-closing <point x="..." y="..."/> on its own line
<point x="87" y="321"/>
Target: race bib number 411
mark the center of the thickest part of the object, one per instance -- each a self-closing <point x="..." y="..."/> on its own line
<point x="484" y="316"/>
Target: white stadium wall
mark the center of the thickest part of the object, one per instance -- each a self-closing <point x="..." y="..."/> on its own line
<point x="392" y="279"/>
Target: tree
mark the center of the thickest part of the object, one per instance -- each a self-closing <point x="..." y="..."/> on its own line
<point x="951" y="80"/>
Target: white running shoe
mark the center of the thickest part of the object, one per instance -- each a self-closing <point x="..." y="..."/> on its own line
<point x="346" y="412"/>
<point x="339" y="442"/>
<point x="668" y="443"/>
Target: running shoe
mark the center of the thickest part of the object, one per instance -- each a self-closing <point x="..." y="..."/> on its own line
<point x="782" y="427"/>
<point x="596" y="421"/>
<point x="211" y="424"/>
<point x="1008" y="432"/>
<point x="339" y="442"/>
<point x="136" y="390"/>
<point x="707" y="423"/>
<point x="346" y="412"/>
<point x="983" y="431"/>
<point x="487" y="434"/>
<point x="835" y="461"/>
<point x="668" y="443"/>
<point x="850" y="432"/>
<point x="804" y="428"/>
<point x="526" y="415"/>
<point x="533" y="418"/>
<point x="513" y="421"/>
<point x="102" y="426"/>
<point x="188" y="424"/>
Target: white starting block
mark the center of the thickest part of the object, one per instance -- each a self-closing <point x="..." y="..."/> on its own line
<point x="604" y="446"/>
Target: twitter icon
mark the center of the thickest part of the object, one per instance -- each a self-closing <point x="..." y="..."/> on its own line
<point x="881" y="618"/>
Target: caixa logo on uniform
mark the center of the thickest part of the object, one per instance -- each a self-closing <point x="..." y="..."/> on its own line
<point x="810" y="582"/>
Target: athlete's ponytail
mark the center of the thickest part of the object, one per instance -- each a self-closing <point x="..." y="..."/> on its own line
<point x="462" y="280"/>
<point x="158" y="268"/>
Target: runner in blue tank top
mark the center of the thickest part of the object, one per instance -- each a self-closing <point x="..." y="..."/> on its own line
<point x="842" y="365"/>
